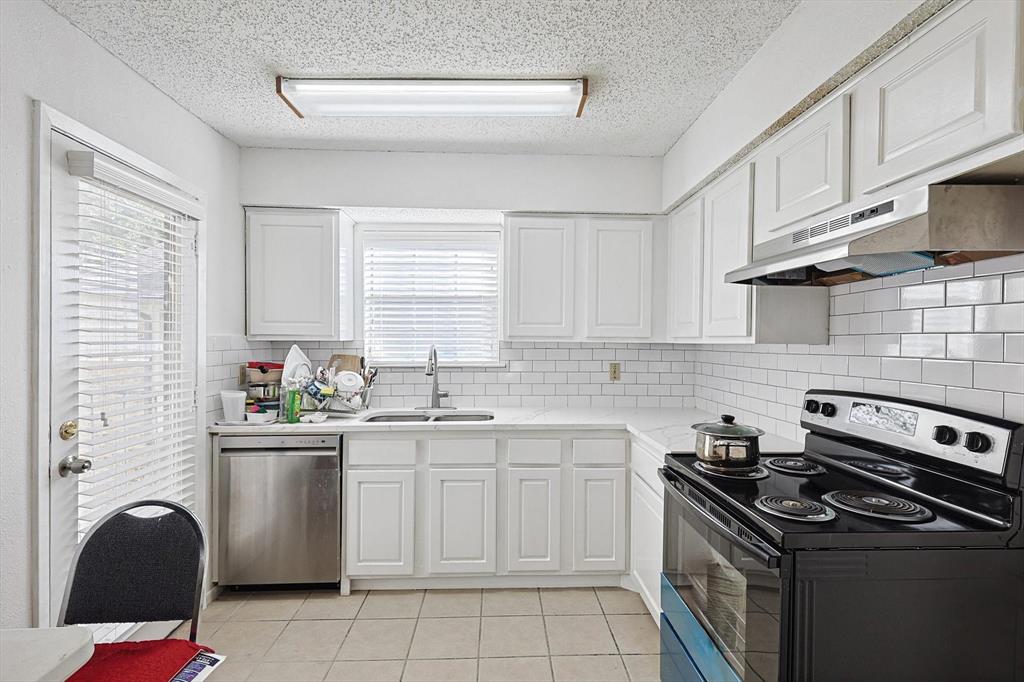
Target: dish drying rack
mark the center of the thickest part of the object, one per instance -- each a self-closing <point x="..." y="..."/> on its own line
<point x="355" y="402"/>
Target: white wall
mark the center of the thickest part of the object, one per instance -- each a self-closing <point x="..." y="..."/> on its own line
<point x="812" y="44"/>
<point x="600" y="184"/>
<point x="44" y="57"/>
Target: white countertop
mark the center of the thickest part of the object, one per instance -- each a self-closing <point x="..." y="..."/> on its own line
<point x="30" y="654"/>
<point x="666" y="429"/>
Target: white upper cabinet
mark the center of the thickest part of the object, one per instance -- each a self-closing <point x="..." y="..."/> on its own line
<point x="298" y="275"/>
<point x="726" y="307"/>
<point x="685" y="258"/>
<point x="803" y="170"/>
<point x="619" y="275"/>
<point x="949" y="92"/>
<point x="540" y="287"/>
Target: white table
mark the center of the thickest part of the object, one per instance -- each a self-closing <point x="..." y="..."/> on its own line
<point x="36" y="654"/>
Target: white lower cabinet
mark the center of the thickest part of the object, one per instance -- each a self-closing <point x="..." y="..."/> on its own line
<point x="646" y="515"/>
<point x="534" y="519"/>
<point x="380" y="522"/>
<point x="599" y="519"/>
<point x="462" y="521"/>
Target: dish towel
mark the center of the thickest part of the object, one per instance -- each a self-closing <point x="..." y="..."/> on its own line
<point x="156" y="660"/>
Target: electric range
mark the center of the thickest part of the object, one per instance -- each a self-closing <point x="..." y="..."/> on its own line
<point x="890" y="548"/>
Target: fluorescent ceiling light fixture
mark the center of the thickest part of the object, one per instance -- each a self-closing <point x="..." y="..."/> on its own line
<point x="343" y="97"/>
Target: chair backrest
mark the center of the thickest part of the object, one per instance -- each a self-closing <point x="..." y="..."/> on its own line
<point x="134" y="569"/>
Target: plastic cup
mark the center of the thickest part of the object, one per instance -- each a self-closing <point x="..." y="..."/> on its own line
<point x="234" y="405"/>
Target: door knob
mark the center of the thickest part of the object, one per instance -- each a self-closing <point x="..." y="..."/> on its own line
<point x="68" y="429"/>
<point x="73" y="464"/>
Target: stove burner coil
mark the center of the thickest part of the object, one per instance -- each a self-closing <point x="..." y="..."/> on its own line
<point x="795" y="509"/>
<point x="878" y="505"/>
<point x="794" y="465"/>
<point x="755" y="474"/>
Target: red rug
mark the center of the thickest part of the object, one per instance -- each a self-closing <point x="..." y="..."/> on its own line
<point x="156" y="660"/>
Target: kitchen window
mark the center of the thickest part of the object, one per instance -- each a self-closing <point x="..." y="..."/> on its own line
<point x="431" y="287"/>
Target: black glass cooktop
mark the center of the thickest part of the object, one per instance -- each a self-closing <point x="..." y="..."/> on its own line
<point x="935" y="525"/>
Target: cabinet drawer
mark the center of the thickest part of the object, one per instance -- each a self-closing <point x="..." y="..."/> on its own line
<point x="534" y="451"/>
<point x="380" y="452"/>
<point x="598" y="451"/>
<point x="645" y="463"/>
<point x="463" y="451"/>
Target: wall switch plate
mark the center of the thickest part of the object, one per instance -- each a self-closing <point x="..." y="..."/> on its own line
<point x="614" y="371"/>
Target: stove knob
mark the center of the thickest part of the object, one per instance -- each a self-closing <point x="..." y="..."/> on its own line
<point x="945" y="435"/>
<point x="977" y="442"/>
<point x="828" y="410"/>
<point x="812" y="406"/>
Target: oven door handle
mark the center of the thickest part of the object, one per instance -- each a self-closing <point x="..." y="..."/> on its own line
<point x="766" y="555"/>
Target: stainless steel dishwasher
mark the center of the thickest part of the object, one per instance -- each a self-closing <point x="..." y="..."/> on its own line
<point x="280" y="510"/>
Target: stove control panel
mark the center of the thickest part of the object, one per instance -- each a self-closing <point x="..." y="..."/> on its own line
<point x="951" y="435"/>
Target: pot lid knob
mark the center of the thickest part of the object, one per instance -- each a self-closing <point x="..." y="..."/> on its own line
<point x="728" y="419"/>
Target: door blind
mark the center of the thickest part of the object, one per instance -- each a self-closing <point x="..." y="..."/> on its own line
<point x="426" y="289"/>
<point x="129" y="270"/>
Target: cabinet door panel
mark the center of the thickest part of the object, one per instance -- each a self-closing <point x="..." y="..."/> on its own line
<point x="619" y="257"/>
<point x="686" y="229"/>
<point x="534" y="519"/>
<point x="646" y="542"/>
<point x="462" y="525"/>
<point x="379" y="522"/>
<point x="541" y="276"/>
<point x="947" y="94"/>
<point x="802" y="171"/>
<point x="599" y="519"/>
<point x="726" y="247"/>
<point x="293" y="271"/>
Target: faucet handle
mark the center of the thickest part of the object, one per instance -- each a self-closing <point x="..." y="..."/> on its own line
<point x="442" y="394"/>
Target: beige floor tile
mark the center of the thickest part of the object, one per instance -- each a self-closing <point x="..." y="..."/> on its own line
<point x="578" y="635"/>
<point x="295" y="671"/>
<point x="221" y="609"/>
<point x="392" y="604"/>
<point x="448" y="603"/>
<point x="232" y="670"/>
<point x="446" y="638"/>
<point x="511" y="603"/>
<point x="206" y="630"/>
<point x="588" y="669"/>
<point x="643" y="668"/>
<point x="378" y="640"/>
<point x="569" y="601"/>
<point x="366" y="671"/>
<point x="635" y="634"/>
<point x="245" y="639"/>
<point x="309" y="640"/>
<point x="449" y="670"/>
<point x="270" y="606"/>
<point x="330" y="606"/>
<point x="534" y="669"/>
<point x="512" y="636"/>
<point x="619" y="601"/>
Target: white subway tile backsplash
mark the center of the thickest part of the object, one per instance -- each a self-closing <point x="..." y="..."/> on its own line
<point x="881" y="299"/>
<point x="1013" y="287"/>
<point x="1013" y="348"/>
<point x="923" y="296"/>
<point x="866" y="323"/>
<point x="976" y="291"/>
<point x="975" y="346"/>
<point x="948" y="372"/>
<point x="923" y="345"/>
<point x="847" y="304"/>
<point x="898" y="321"/>
<point x="986" y="402"/>
<point x="1007" y="317"/>
<point x="947" y="272"/>
<point x="994" y="266"/>
<point x="882" y="344"/>
<point x="999" y="376"/>
<point x="959" y="319"/>
<point x="901" y="369"/>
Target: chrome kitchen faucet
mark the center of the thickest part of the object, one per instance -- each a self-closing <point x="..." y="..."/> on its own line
<point x="431" y="371"/>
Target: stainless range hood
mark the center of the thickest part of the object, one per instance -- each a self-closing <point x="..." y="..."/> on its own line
<point x="935" y="225"/>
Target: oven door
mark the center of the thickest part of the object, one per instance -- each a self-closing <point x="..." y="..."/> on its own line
<point x="722" y="588"/>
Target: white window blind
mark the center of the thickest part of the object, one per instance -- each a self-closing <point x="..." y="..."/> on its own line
<point x="430" y="288"/>
<point x="130" y="275"/>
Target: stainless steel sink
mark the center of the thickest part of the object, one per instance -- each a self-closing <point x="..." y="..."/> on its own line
<point x="397" y="418"/>
<point x="420" y="416"/>
<point x="466" y="417"/>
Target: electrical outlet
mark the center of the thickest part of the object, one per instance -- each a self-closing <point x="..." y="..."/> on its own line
<point x="614" y="371"/>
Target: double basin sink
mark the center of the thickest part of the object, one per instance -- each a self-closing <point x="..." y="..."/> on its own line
<point x="419" y="416"/>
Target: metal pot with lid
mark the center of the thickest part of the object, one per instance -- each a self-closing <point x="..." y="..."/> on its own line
<point x="727" y="445"/>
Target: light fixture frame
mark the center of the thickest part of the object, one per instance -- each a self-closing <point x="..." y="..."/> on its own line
<point x="279" y="80"/>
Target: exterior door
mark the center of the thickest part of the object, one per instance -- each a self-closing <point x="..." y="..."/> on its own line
<point x="120" y="297"/>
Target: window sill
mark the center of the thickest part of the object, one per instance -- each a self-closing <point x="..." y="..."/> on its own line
<point x="441" y="365"/>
